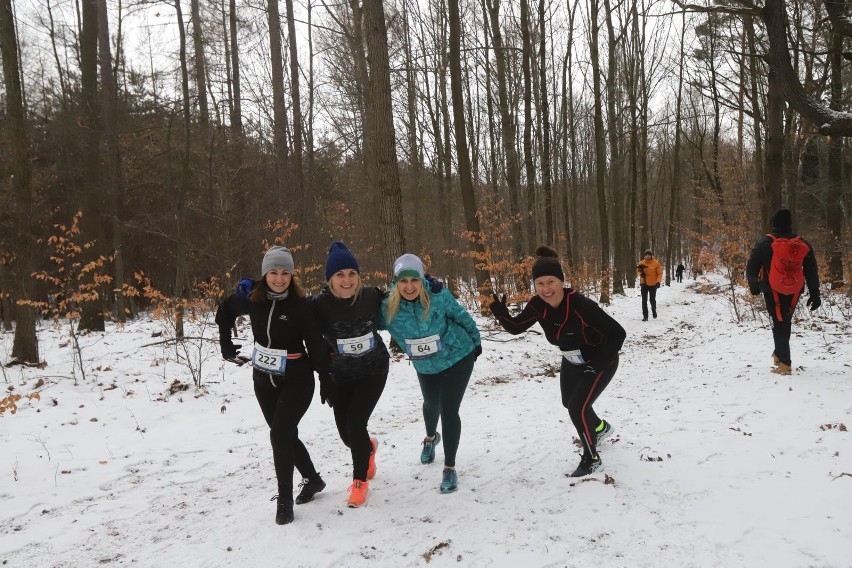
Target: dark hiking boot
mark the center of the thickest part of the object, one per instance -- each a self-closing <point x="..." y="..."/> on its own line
<point x="310" y="487"/>
<point x="284" y="509"/>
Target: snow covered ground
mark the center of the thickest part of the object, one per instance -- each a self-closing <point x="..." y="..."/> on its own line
<point x="714" y="462"/>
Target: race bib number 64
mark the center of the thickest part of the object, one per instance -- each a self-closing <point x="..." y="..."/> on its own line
<point x="270" y="360"/>
<point x="424" y="347"/>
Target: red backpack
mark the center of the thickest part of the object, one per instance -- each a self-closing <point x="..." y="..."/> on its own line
<point x="786" y="274"/>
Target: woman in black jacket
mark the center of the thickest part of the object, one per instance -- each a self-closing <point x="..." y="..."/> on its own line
<point x="588" y="338"/>
<point x="283" y="325"/>
<point x="348" y="317"/>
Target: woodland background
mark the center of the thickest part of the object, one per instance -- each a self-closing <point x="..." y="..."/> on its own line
<point x="149" y="151"/>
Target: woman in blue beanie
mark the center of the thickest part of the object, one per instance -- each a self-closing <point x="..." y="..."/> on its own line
<point x="443" y="342"/>
<point x="348" y="317"/>
<point x="283" y="326"/>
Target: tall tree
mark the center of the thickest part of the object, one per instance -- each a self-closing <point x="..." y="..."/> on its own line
<point x="297" y="178"/>
<point x="383" y="138"/>
<point x="114" y="182"/>
<point x="483" y="276"/>
<point x="547" y="186"/>
<point x="508" y="130"/>
<point x="279" y="108"/>
<point x="600" y="148"/>
<point x="25" y="344"/>
<point x="200" y="65"/>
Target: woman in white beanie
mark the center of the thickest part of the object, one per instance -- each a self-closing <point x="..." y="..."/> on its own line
<point x="443" y="342"/>
<point x="285" y="334"/>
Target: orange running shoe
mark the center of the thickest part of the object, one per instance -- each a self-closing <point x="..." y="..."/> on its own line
<point x="358" y="493"/>
<point x="371" y="466"/>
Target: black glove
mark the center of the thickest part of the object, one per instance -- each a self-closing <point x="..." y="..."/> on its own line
<point x="498" y="306"/>
<point x="327" y="389"/>
<point x="435" y="285"/>
<point x="657" y="286"/>
<point x="814" y="301"/>
<point x="244" y="289"/>
<point x="754" y="288"/>
<point x="477" y="351"/>
<point x="229" y="349"/>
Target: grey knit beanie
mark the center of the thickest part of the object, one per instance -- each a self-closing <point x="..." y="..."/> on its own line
<point x="277" y="257"/>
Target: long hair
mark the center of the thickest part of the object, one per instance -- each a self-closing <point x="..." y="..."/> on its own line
<point x="395" y="298"/>
<point x="261" y="289"/>
<point x="355" y="296"/>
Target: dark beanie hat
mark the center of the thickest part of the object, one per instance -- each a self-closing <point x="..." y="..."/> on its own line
<point x="782" y="221"/>
<point x="648" y="251"/>
<point x="547" y="263"/>
<point x="339" y="258"/>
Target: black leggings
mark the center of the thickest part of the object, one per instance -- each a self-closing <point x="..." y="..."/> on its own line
<point x="283" y="401"/>
<point x="354" y="402"/>
<point x="442" y="397"/>
<point x="579" y="391"/>
<point x="649" y="293"/>
<point x="781" y="328"/>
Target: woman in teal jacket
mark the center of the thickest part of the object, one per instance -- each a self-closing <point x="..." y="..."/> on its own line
<point x="442" y="340"/>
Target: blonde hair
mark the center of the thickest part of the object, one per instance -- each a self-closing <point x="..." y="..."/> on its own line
<point x="396" y="297"/>
<point x="358" y="289"/>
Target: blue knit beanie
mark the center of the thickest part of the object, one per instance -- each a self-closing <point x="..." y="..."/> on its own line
<point x="339" y="258"/>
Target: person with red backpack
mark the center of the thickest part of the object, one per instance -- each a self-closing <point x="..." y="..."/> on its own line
<point x="780" y="265"/>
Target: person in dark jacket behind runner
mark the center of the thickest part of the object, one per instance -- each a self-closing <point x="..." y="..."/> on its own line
<point x="442" y="341"/>
<point x="348" y="315"/>
<point x="589" y="340"/>
<point x="283" y="325"/>
<point x="781" y="306"/>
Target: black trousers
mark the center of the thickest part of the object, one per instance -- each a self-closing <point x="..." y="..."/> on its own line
<point x="579" y="391"/>
<point x="781" y="326"/>
<point x="354" y="403"/>
<point x="649" y="293"/>
<point x="283" y="401"/>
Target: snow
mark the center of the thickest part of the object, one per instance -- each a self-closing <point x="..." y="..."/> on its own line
<point x="714" y="461"/>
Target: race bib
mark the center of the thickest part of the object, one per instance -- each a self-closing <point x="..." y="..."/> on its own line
<point x="574" y="357"/>
<point x="425" y="347"/>
<point x="270" y="360"/>
<point x="356" y="345"/>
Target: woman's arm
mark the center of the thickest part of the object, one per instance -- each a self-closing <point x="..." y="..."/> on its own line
<point x="515" y="324"/>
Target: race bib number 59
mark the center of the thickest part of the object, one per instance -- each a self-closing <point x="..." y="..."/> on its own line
<point x="424" y="347"/>
<point x="270" y="360"/>
<point x="356" y="345"/>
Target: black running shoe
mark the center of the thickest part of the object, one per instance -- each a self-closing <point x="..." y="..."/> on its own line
<point x="310" y="487"/>
<point x="587" y="465"/>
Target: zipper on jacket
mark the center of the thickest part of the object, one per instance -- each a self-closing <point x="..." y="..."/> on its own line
<point x="269" y="336"/>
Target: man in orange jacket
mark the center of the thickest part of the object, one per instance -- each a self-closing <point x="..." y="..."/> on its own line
<point x="650" y="275"/>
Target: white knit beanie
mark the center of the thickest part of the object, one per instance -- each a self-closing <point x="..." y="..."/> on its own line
<point x="408" y="265"/>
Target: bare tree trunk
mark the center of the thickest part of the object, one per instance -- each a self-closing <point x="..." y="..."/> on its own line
<point x="200" y="65"/>
<point x="115" y="184"/>
<point x="60" y="72"/>
<point x="384" y="142"/>
<point x="508" y="128"/>
<point x="615" y="164"/>
<point x="91" y="317"/>
<point x="483" y="276"/>
<point x="297" y="178"/>
<point x="529" y="215"/>
<point x="600" y="150"/>
<point x="772" y="197"/>
<point x="237" y="112"/>
<point x="676" y="189"/>
<point x="545" y="117"/>
<point x="184" y="180"/>
<point x="279" y="109"/>
<point x="25" y="343"/>
<point x="834" y="195"/>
